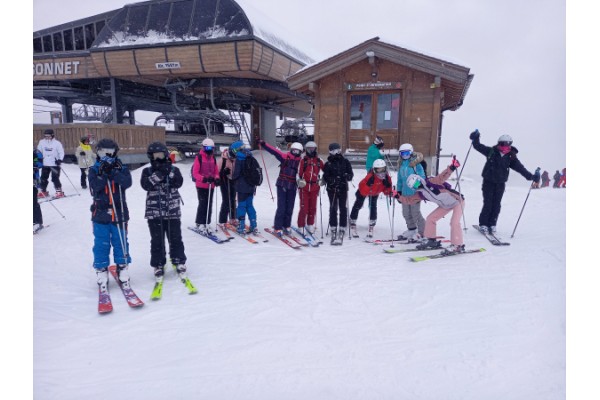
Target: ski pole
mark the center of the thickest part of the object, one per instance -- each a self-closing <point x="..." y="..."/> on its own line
<point x="390" y="220"/>
<point x="216" y="208"/>
<point x="122" y="238"/>
<point x="393" y="217"/>
<point x="463" y="166"/>
<point x="208" y="203"/>
<point x="461" y="197"/>
<point x="266" y="171"/>
<point x="321" y="212"/>
<point x="348" y="212"/>
<point x="67" y="175"/>
<point x="513" y="233"/>
<point x="61" y="214"/>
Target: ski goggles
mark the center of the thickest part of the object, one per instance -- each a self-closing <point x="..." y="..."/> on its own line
<point x="296" y="152"/>
<point x="335" y="151"/>
<point x="504" y="143"/>
<point x="159" y="155"/>
<point x="405" y="154"/>
<point x="379" y="170"/>
<point x="107" y="152"/>
<point x="208" y="148"/>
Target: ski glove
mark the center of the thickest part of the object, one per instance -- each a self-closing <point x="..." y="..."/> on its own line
<point x="536" y="177"/>
<point x="217" y="182"/>
<point x="58" y="162"/>
<point x="474" y="135"/>
<point x="226" y="171"/>
<point x="454" y="164"/>
<point x="82" y="154"/>
<point x="118" y="165"/>
<point x="105" y="167"/>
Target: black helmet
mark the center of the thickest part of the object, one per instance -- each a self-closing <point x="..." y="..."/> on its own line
<point x="334" y="148"/>
<point x="49" y="132"/>
<point x="107" y="144"/>
<point x="157" y="147"/>
<point x="85" y="140"/>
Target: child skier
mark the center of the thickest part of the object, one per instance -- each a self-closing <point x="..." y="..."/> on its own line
<point x="377" y="181"/>
<point x="161" y="180"/>
<point x="108" y="179"/>
<point x="374" y="152"/>
<point x="228" y="207"/>
<point x="337" y="172"/>
<point x="85" y="159"/>
<point x="436" y="190"/>
<point x="410" y="163"/>
<point x="286" y="185"/>
<point x="245" y="190"/>
<point x="206" y="174"/>
<point x="310" y="167"/>
<point x="499" y="160"/>
<point x="53" y="153"/>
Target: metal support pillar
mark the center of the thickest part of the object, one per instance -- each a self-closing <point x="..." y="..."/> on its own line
<point x="67" y="111"/>
<point x="115" y="96"/>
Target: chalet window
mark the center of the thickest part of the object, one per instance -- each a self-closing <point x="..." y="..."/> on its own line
<point x="79" y="39"/>
<point x="37" y="45"/>
<point x="68" y="38"/>
<point x="58" y="43"/>
<point x="360" y="111"/>
<point x="90" y="35"/>
<point x="47" y="40"/>
<point x="388" y="110"/>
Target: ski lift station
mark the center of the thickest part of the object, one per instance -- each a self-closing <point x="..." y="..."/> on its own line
<point x="212" y="68"/>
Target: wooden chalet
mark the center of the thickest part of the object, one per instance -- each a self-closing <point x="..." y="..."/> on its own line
<point x="380" y="89"/>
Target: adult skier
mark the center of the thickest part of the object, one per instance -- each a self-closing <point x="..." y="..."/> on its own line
<point x="337" y="172"/>
<point x="309" y="170"/>
<point x="85" y="159"/>
<point x="53" y="153"/>
<point x="206" y="175"/>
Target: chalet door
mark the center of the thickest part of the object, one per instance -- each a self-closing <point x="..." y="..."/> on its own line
<point x="373" y="114"/>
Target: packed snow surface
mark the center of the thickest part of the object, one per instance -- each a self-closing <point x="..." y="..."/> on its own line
<point x="270" y="322"/>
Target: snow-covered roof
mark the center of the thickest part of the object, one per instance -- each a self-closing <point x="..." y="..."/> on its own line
<point x="160" y="21"/>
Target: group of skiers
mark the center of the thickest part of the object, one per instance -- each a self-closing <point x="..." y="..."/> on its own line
<point x="560" y="180"/>
<point x="305" y="174"/>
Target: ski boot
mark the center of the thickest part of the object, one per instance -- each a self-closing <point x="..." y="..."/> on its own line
<point x="181" y="271"/>
<point x="241" y="226"/>
<point x="454" y="248"/>
<point x="430" y="244"/>
<point x="353" y="229"/>
<point x="333" y="235"/>
<point x="340" y="236"/>
<point x="102" y="279"/>
<point x="43" y="194"/>
<point x="123" y="275"/>
<point x="59" y="193"/>
<point x="159" y="273"/>
<point x="372" y="223"/>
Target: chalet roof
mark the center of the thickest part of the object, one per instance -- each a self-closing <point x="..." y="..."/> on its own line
<point x="176" y="22"/>
<point x="455" y="79"/>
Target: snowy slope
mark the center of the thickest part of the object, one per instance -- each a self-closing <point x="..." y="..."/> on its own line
<point x="270" y="322"/>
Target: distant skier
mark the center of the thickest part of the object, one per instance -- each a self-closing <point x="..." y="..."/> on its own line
<point x="377" y="181"/>
<point x="85" y="159"/>
<point x="374" y="152"/>
<point x="38" y="221"/>
<point x="436" y="190"/>
<point x="562" y="183"/>
<point x="556" y="178"/>
<point x="536" y="185"/>
<point x="162" y="180"/>
<point x="53" y="153"/>
<point x="286" y="185"/>
<point x="495" y="172"/>
<point x="109" y="179"/>
<point x="308" y="171"/>
<point x="337" y="172"/>
<point x="545" y="179"/>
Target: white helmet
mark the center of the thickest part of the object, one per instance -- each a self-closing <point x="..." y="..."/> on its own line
<point x="405" y="151"/>
<point x="414" y="181"/>
<point x="208" y="142"/>
<point x="310" y="144"/>
<point x="296" y="149"/>
<point x="505" y="138"/>
<point x="379" y="165"/>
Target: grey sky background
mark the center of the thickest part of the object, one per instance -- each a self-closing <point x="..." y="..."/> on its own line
<point x="515" y="49"/>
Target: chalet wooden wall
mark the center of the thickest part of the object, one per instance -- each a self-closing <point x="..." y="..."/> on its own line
<point x="132" y="139"/>
<point x="419" y="110"/>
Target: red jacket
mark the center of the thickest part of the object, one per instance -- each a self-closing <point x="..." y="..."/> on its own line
<point x="377" y="186"/>
<point x="309" y="170"/>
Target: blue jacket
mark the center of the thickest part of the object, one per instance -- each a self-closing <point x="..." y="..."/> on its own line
<point x="107" y="187"/>
<point x="239" y="182"/>
<point x="404" y="172"/>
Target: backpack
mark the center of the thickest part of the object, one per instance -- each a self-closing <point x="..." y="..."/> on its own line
<point x="252" y="172"/>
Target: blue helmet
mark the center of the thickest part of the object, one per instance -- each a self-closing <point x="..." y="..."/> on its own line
<point x="235" y="148"/>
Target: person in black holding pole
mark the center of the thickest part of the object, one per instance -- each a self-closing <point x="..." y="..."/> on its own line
<point x="337" y="172"/>
<point x="161" y="180"/>
<point x="500" y="158"/>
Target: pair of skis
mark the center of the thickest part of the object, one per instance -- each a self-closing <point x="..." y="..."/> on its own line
<point x="309" y="237"/>
<point x="444" y="253"/>
<point x="52" y="198"/>
<point x="249" y="236"/>
<point x="210" y="236"/>
<point x="158" y="286"/>
<point x="291" y="241"/>
<point x="104" y="301"/>
<point x="495" y="240"/>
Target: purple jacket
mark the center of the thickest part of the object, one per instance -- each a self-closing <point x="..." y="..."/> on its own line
<point x="288" y="168"/>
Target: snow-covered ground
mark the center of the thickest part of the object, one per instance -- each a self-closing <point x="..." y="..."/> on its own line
<point x="270" y="322"/>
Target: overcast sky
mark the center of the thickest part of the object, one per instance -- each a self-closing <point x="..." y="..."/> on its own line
<point x="516" y="50"/>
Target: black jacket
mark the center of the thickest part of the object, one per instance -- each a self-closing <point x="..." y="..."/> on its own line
<point x="497" y="166"/>
<point x="163" y="198"/>
<point x="337" y="172"/>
